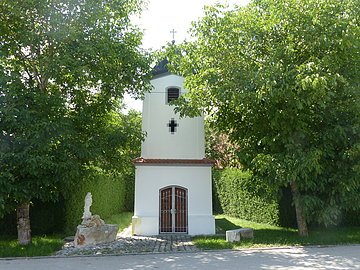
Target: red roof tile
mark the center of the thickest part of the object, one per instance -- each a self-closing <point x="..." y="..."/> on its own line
<point x="151" y="161"/>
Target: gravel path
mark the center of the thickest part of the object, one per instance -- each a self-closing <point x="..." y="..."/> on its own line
<point x="133" y="244"/>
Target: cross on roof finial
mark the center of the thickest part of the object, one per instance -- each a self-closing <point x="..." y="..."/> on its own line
<point x="173" y="36"/>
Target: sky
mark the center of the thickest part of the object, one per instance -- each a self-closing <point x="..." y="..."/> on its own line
<point x="160" y="17"/>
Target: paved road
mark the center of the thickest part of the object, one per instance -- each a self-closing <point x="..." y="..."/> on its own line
<point x="341" y="257"/>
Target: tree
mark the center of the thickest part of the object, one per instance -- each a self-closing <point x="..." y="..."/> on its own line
<point x="64" y="67"/>
<point x="219" y="148"/>
<point x="282" y="79"/>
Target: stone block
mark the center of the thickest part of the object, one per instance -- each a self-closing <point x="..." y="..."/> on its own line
<point x="246" y="233"/>
<point x="232" y="236"/>
<point x="95" y="235"/>
<point x="236" y="235"/>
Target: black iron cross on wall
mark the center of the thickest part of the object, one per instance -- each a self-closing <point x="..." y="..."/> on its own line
<point x="172" y="126"/>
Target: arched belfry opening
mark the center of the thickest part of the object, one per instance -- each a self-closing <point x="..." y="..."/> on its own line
<point x="172" y="93"/>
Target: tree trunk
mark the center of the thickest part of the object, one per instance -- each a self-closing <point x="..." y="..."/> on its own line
<point x="23" y="224"/>
<point x="300" y="218"/>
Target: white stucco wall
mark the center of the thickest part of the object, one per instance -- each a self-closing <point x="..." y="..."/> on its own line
<point x="188" y="140"/>
<point x="150" y="179"/>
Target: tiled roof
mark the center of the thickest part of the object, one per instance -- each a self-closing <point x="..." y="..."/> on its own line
<point x="160" y="68"/>
<point x="191" y="162"/>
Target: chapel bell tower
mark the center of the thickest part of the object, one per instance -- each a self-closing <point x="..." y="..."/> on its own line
<point x="173" y="191"/>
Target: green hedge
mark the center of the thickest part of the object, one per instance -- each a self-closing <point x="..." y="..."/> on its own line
<point x="241" y="195"/>
<point x="112" y="194"/>
<point x="45" y="218"/>
<point x="129" y="182"/>
<point x="351" y="218"/>
<point x="109" y="194"/>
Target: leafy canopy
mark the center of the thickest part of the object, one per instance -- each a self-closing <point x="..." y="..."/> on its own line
<point x="64" y="68"/>
<point x="282" y="79"/>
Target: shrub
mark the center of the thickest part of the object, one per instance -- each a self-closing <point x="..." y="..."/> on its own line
<point x="108" y="195"/>
<point x="111" y="193"/>
<point x="45" y="218"/>
<point x="244" y="196"/>
<point x="129" y="182"/>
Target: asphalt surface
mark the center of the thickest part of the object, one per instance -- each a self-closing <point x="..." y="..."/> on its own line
<point x="337" y="257"/>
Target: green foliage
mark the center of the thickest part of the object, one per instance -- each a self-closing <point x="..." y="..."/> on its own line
<point x="351" y="218"/>
<point x="64" y="68"/>
<point x="112" y="187"/>
<point x="244" y="196"/>
<point x="287" y="217"/>
<point x="219" y="148"/>
<point x="281" y="79"/>
<point x="45" y="218"/>
<point x="108" y="193"/>
<point x="8" y="224"/>
<point x="129" y="179"/>
<point x="123" y="220"/>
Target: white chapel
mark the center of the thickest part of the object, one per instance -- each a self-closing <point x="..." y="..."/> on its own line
<point x="173" y="192"/>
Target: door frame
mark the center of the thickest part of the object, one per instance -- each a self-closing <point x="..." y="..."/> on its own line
<point x="173" y="215"/>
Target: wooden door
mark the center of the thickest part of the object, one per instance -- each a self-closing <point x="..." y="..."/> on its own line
<point x="173" y="210"/>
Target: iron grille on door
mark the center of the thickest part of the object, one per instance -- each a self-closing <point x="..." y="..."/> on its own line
<point x="173" y="210"/>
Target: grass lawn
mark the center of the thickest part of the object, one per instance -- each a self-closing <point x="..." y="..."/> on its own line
<point x="272" y="236"/>
<point x="48" y="245"/>
<point x="41" y="246"/>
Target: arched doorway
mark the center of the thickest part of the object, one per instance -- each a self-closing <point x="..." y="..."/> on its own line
<point x="173" y="210"/>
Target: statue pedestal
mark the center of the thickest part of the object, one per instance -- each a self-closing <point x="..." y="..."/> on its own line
<point x="95" y="235"/>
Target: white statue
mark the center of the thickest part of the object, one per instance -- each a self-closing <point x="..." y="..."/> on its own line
<point x="88" y="201"/>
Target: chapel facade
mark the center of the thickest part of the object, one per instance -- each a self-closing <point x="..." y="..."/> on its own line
<point x="173" y="187"/>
